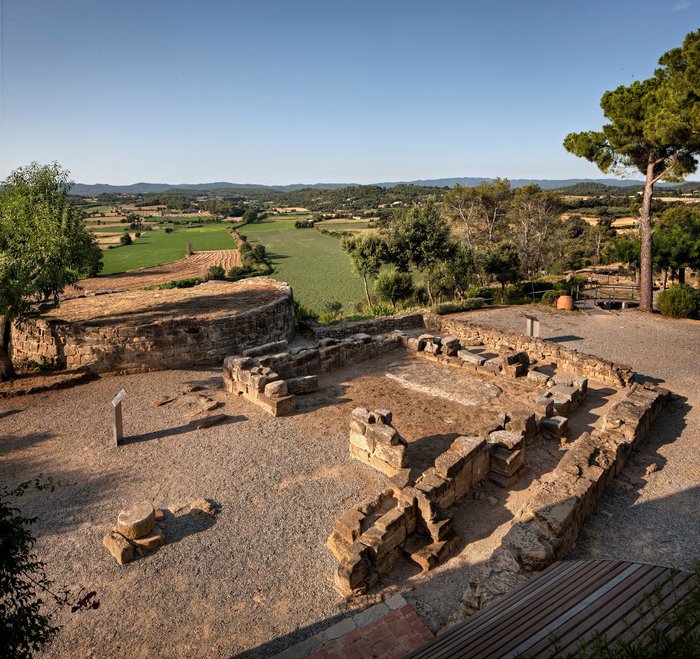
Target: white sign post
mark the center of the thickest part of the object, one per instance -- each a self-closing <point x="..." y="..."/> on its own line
<point x="118" y="428"/>
<point x="533" y="326"/>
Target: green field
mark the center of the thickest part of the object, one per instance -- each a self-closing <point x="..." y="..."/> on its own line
<point x="158" y="247"/>
<point x="314" y="265"/>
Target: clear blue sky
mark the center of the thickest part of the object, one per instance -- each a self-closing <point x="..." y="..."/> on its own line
<point x="295" y="91"/>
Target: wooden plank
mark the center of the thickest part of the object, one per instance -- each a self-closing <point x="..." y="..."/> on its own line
<point x="599" y="613"/>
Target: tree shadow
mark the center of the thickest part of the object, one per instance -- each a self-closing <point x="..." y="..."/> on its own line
<point x="177" y="430"/>
<point x="10" y="412"/>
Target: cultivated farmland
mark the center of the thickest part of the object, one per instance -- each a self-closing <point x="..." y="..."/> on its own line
<point x="157" y="247"/>
<point x="314" y="265"/>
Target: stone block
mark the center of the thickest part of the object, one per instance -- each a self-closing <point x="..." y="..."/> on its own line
<point x="119" y="547"/>
<point x="362" y="442"/>
<point x="303" y="385"/>
<point x="507" y="439"/>
<point x="556" y="426"/>
<point x="522" y="421"/>
<point x="581" y="383"/>
<point x="544" y="405"/>
<point x="276" y="389"/>
<point x="538" y="376"/>
<point x="137" y="521"/>
<point x="470" y="357"/>
<point x="404" y="477"/>
<point x="450" y="345"/>
<point x="348" y="525"/>
<point x="394" y="456"/>
<point x="363" y="414"/>
<point x="383" y="434"/>
<point x="151" y="541"/>
<point x="449" y="464"/>
<point x="507" y="463"/>
<point x="481" y="464"/>
<point x="562" y="405"/>
<point x="562" y="380"/>
<point x="492" y="365"/>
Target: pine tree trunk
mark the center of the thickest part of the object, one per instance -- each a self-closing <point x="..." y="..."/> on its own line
<point x="681" y="275"/>
<point x="7" y="370"/>
<point x="646" y="279"/>
<point x="429" y="290"/>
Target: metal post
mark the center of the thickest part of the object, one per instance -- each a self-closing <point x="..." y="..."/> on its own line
<point x="118" y="427"/>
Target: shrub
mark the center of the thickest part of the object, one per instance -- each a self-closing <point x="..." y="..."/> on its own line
<point x="327" y="318"/>
<point x="380" y="309"/>
<point x="679" y="301"/>
<point x="259" y="252"/>
<point x="303" y="314"/>
<point x="550" y="297"/>
<point x="168" y="229"/>
<point x="332" y="309"/>
<point x="455" y="307"/>
<point x="394" y="287"/>
<point x="125" y="239"/>
<point x="215" y="272"/>
<point x="187" y="282"/>
<point x="137" y="234"/>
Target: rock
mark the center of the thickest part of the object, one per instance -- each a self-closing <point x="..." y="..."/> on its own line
<point x="302" y="385"/>
<point x="492" y="501"/>
<point x="651" y="468"/>
<point x="206" y="421"/>
<point x="276" y="389"/>
<point x="191" y="388"/>
<point x="151" y="541"/>
<point x="119" y="547"/>
<point x="137" y="521"/>
<point x="202" y="508"/>
<point x="163" y="400"/>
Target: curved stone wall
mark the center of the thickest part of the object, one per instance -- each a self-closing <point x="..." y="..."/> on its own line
<point x="152" y="330"/>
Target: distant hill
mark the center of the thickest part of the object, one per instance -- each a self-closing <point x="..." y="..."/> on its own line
<point x="94" y="189"/>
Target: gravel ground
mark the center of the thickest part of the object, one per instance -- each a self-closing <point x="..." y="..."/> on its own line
<point x="652" y="518"/>
<point x="256" y="578"/>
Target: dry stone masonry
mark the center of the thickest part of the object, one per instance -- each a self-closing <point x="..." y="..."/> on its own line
<point x="135" y="331"/>
<point x="272" y="381"/>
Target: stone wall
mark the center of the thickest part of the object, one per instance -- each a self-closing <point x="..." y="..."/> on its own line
<point x="546" y="528"/>
<point x="381" y="325"/>
<point x="175" y="342"/>
<point x="272" y="381"/>
<point x="537" y="349"/>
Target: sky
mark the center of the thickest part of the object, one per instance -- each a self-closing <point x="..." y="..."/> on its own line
<point x="306" y="91"/>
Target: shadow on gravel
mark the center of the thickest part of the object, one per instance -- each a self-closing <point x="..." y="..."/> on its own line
<point x="564" y="338"/>
<point x="10" y="413"/>
<point x="177" y="430"/>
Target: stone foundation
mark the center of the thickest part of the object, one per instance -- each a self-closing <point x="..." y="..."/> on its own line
<point x="153" y="330"/>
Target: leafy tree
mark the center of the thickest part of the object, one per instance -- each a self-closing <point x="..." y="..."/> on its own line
<point x="420" y="236"/>
<point x="502" y="262"/>
<point x="366" y="254"/>
<point x="458" y="272"/>
<point x="215" y="273"/>
<point x="654" y="128"/>
<point x="125" y="239"/>
<point x="250" y="216"/>
<point x="677" y="240"/>
<point x="535" y="218"/>
<point x="44" y="245"/>
<point x="480" y="211"/>
<point x="394" y="286"/>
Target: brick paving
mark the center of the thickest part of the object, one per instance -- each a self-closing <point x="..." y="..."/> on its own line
<point x="393" y="636"/>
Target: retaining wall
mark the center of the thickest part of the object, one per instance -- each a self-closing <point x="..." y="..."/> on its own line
<point x="175" y="342"/>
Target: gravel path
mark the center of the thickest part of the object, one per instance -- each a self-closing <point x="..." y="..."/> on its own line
<point x="651" y="518"/>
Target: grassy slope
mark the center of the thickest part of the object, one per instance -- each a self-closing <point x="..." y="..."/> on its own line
<point x="314" y="265"/>
<point x="158" y="247"/>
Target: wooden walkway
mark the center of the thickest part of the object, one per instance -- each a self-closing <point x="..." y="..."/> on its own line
<point x="568" y="603"/>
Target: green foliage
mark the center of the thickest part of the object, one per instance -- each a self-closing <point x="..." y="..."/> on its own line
<point x="44" y="244"/>
<point x="303" y="314"/>
<point x="394" y="287"/>
<point x="250" y="216"/>
<point x="187" y="282"/>
<point x="468" y="304"/>
<point x="125" y="239"/>
<point x="366" y="255"/>
<point x="550" y="297"/>
<point x="25" y="627"/>
<point x="168" y="229"/>
<point x="677" y="238"/>
<point x="503" y="263"/>
<point x="679" y="301"/>
<point x="215" y="272"/>
<point x="419" y="236"/>
<point x="332" y="310"/>
<point x="381" y="309"/>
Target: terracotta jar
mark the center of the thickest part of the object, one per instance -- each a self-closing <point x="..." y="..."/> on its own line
<point x="565" y="302"/>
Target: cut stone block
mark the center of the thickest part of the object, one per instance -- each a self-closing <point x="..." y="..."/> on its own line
<point x="558" y="426"/>
<point x="276" y="389"/>
<point x="470" y="357"/>
<point x="383" y="434"/>
<point x="119" y="547"/>
<point x="348" y="525"/>
<point x="506" y="438"/>
<point x="362" y="442"/>
<point x="538" y="376"/>
<point x="137" y="521"/>
<point x="303" y="385"/>
<point x="150" y="541"/>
